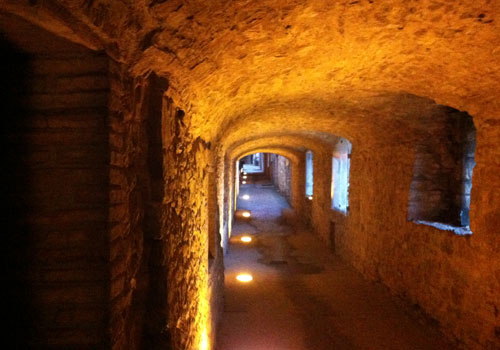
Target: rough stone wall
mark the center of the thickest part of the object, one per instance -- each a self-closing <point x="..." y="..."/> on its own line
<point x="225" y="182"/>
<point x="154" y="295"/>
<point x="298" y="178"/>
<point x="321" y="212"/>
<point x="222" y="203"/>
<point x="55" y="191"/>
<point x="453" y="278"/>
<point x="282" y="176"/>
<point x="232" y="184"/>
<point x="186" y="227"/>
<point x="215" y="257"/>
<point x="138" y="262"/>
<point x="215" y="252"/>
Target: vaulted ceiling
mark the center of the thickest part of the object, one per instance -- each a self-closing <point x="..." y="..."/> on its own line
<point x="276" y="64"/>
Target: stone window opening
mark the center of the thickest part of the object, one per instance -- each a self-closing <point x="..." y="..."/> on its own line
<point x="441" y="186"/>
<point x="340" y="182"/>
<point x="309" y="174"/>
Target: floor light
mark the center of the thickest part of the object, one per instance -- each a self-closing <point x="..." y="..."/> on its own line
<point x="244" y="277"/>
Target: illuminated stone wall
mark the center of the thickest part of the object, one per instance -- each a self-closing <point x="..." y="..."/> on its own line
<point x="442" y="273"/>
<point x="186" y="227"/>
<point x="282" y="176"/>
<point x="438" y="271"/>
<point x="165" y="296"/>
<point x="293" y="76"/>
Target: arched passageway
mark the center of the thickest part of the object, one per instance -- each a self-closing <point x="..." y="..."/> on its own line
<point x="124" y="122"/>
<point x="284" y="289"/>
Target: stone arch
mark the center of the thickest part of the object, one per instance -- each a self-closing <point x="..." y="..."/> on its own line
<point x="284" y="152"/>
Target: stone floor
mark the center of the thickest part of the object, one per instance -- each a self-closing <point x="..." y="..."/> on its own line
<point x="304" y="298"/>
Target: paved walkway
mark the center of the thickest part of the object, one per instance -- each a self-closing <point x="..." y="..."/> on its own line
<point x="304" y="298"/>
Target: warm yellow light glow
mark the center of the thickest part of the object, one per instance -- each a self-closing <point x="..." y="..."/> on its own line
<point x="245" y="197"/>
<point x="246" y="214"/>
<point x="244" y="176"/>
<point x="204" y="314"/>
<point x="204" y="340"/>
<point x="246" y="239"/>
<point x="244" y="277"/>
<point x="243" y="182"/>
<point x="310" y="198"/>
<point x="244" y="173"/>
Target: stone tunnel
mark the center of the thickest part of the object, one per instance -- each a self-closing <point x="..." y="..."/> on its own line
<point x="125" y="125"/>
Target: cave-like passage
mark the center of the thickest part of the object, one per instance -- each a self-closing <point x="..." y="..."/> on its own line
<point x="303" y="297"/>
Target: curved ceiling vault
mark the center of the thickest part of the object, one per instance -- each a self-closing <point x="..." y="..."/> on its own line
<point x="291" y="155"/>
<point x="229" y="61"/>
<point x="294" y="144"/>
<point x="233" y="60"/>
<point x="387" y="118"/>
